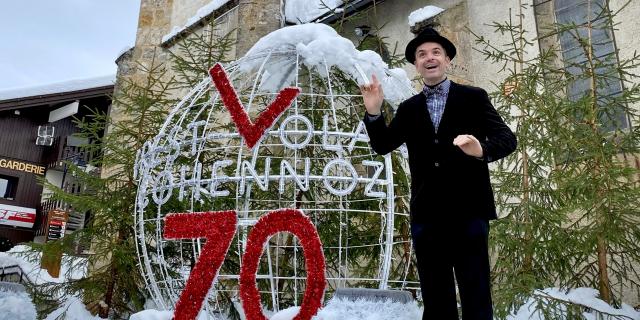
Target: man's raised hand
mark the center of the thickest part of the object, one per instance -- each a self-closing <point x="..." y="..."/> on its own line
<point x="373" y="96"/>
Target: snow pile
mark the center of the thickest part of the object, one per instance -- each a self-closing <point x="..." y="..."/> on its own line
<point x="16" y="305"/>
<point x="202" y="12"/>
<point x="320" y="47"/>
<point x="72" y="309"/>
<point x="303" y="11"/>
<point x="342" y="309"/>
<point x="286" y="314"/>
<point x="58" y="87"/>
<point x="152" y="314"/>
<point x="31" y="268"/>
<point x="423" y="14"/>
<point x="581" y="296"/>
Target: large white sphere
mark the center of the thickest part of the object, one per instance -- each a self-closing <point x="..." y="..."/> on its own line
<point x="319" y="161"/>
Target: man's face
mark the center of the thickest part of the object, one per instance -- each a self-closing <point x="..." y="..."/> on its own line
<point x="431" y="62"/>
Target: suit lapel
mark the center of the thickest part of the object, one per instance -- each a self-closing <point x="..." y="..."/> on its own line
<point x="423" y="114"/>
<point x="452" y="96"/>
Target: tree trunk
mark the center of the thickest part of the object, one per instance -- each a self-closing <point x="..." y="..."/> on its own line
<point x="603" y="277"/>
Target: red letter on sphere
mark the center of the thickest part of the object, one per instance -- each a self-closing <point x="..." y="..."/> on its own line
<point x="218" y="228"/>
<point x="250" y="131"/>
<point x="295" y="222"/>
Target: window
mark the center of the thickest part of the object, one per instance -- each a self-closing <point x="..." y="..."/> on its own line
<point x="8" y="187"/>
<point x="608" y="84"/>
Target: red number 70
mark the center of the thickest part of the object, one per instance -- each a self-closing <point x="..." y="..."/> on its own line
<point x="218" y="228"/>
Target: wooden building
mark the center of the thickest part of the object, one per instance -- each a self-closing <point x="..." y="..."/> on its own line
<point x="36" y="137"/>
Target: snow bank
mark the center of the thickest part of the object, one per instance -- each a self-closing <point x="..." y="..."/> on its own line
<point x="16" y="306"/>
<point x="58" y="87"/>
<point x="584" y="296"/>
<point x="317" y="45"/>
<point x="303" y="11"/>
<point x="423" y="14"/>
<point x="152" y="314"/>
<point x="342" y="309"/>
<point x="202" y="12"/>
<point x="73" y="309"/>
<point x="33" y="271"/>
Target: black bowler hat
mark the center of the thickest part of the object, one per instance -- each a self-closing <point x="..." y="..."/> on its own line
<point x="428" y="35"/>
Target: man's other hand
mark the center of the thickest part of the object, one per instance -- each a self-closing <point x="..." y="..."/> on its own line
<point x="469" y="145"/>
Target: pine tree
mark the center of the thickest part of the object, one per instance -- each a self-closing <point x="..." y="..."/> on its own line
<point x="569" y="198"/>
<point x="114" y="286"/>
<point x="110" y="288"/>
<point x="599" y="183"/>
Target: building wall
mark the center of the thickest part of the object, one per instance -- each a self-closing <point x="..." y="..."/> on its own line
<point x="184" y="9"/>
<point x="626" y="33"/>
<point x="456" y="23"/>
<point x="485" y="73"/>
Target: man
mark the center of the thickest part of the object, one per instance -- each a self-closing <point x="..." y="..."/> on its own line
<point x="452" y="131"/>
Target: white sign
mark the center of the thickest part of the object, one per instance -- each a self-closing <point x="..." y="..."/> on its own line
<point x="17" y="216"/>
<point x="333" y="176"/>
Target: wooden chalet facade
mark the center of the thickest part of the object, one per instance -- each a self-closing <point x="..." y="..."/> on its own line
<point x="36" y="137"/>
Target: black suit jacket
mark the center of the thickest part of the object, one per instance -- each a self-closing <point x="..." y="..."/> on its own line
<point x="446" y="184"/>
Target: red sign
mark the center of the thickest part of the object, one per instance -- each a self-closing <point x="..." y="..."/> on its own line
<point x="56" y="224"/>
<point x="17" y="216"/>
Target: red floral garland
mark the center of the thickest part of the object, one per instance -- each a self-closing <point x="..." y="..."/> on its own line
<point x="251" y="132"/>
<point x="218" y="228"/>
<point x="295" y="222"/>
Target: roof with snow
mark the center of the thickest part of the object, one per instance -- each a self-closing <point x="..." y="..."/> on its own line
<point x="17" y="98"/>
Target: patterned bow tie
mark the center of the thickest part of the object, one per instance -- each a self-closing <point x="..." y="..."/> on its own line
<point x="431" y="91"/>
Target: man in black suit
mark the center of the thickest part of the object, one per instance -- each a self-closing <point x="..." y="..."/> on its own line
<point x="452" y="132"/>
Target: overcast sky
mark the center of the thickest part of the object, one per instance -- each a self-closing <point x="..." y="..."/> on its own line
<point x="47" y="41"/>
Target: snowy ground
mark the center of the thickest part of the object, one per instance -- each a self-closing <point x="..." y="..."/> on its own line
<point x="18" y="305"/>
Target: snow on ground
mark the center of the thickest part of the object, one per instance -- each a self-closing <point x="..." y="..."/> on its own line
<point x="423" y="14"/>
<point x="58" y="87"/>
<point x="201" y="13"/>
<point x="19" y="306"/>
<point x="303" y="11"/>
<point x="31" y="265"/>
<point x="341" y="309"/>
<point x="73" y="309"/>
<point x="587" y="297"/>
<point x="318" y="45"/>
<point x="16" y="305"/>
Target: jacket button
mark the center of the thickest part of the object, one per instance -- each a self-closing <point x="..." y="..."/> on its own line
<point x="436" y="164"/>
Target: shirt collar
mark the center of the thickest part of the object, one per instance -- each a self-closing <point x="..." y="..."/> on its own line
<point x="440" y="88"/>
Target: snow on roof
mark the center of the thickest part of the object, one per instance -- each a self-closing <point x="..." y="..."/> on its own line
<point x="317" y="44"/>
<point x="423" y="14"/>
<point x="202" y="12"/>
<point x="303" y="11"/>
<point x="58" y="87"/>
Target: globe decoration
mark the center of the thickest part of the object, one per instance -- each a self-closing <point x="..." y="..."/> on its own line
<point x="313" y="156"/>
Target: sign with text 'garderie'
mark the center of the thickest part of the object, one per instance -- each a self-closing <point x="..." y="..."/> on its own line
<point x="21" y="166"/>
